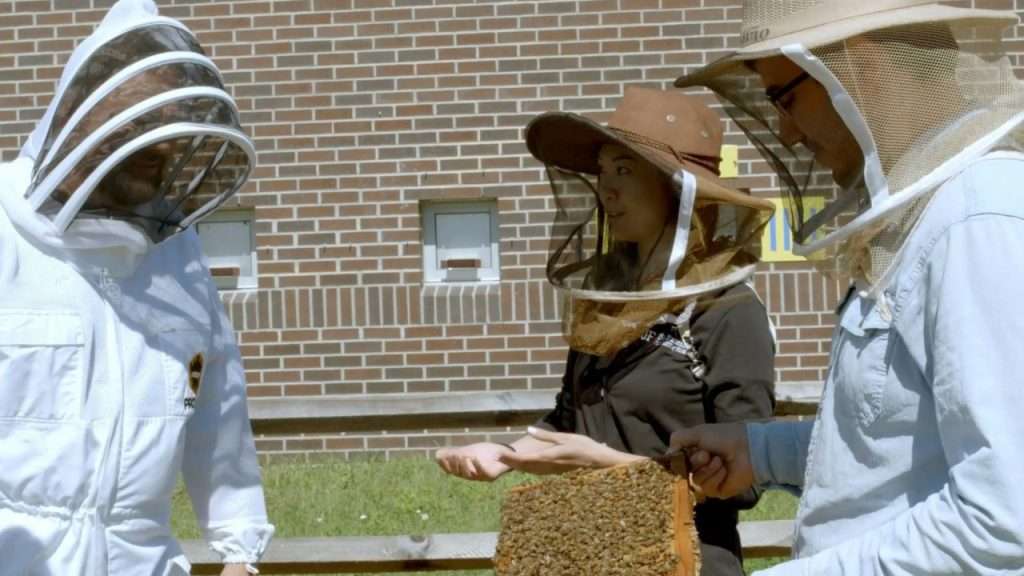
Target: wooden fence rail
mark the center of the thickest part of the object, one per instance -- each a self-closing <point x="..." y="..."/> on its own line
<point x="398" y="412"/>
<point x="381" y="554"/>
<point x="378" y="554"/>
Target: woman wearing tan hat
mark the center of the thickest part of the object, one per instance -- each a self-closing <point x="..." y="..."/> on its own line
<point x="912" y="109"/>
<point x="651" y="253"/>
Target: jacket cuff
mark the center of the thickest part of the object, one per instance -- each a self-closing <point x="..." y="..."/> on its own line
<point x="239" y="543"/>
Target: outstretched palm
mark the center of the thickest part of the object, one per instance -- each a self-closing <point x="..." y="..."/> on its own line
<point x="480" y="461"/>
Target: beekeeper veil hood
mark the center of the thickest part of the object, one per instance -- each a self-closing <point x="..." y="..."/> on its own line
<point x="141" y="140"/>
<point x="918" y="89"/>
<point x="643" y="225"/>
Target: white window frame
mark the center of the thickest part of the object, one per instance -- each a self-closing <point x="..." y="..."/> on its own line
<point x="432" y="274"/>
<point x="239" y="282"/>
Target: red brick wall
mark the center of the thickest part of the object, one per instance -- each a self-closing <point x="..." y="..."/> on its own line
<point x="360" y="109"/>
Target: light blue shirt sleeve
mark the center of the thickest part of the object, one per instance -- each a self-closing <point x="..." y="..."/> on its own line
<point x="973" y="321"/>
<point x="778" y="453"/>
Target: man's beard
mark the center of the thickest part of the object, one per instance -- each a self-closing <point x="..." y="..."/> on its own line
<point x="125" y="190"/>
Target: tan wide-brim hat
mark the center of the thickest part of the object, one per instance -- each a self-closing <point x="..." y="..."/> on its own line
<point x="671" y="130"/>
<point x="769" y="25"/>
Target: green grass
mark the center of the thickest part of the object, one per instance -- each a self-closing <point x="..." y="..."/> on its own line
<point x="397" y="497"/>
<point x="772" y="506"/>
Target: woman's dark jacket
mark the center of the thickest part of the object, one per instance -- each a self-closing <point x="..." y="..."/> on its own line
<point x="635" y="400"/>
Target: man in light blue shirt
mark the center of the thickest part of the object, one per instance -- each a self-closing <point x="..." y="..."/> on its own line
<point x="915" y="114"/>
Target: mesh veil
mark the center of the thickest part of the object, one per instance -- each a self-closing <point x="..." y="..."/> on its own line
<point x="923" y="100"/>
<point x="141" y="130"/>
<point x="612" y="292"/>
<point x="947" y="96"/>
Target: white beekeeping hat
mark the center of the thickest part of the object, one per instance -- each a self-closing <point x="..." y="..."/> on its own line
<point x="141" y="129"/>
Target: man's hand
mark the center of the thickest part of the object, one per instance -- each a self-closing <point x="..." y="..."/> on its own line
<point x="566" y="452"/>
<point x="479" y="461"/>
<point x="719" y="458"/>
<point x="234" y="570"/>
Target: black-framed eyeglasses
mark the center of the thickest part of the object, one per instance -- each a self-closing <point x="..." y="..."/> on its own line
<point x="775" y="95"/>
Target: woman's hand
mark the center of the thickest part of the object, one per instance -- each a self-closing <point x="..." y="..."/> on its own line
<point x="234" y="570"/>
<point x="479" y="461"/>
<point x="566" y="452"/>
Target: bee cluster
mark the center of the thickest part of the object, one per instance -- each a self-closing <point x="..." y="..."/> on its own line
<point x="620" y="521"/>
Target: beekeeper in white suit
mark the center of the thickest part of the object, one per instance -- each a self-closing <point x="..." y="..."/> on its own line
<point x="912" y="109"/>
<point x="118" y="366"/>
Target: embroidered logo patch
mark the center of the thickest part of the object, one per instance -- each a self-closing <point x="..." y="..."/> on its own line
<point x="195" y="380"/>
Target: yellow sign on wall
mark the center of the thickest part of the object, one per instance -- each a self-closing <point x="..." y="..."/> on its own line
<point x="729" y="167"/>
<point x="777" y="241"/>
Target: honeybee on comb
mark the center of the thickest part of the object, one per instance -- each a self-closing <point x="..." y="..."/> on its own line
<point x="630" y="520"/>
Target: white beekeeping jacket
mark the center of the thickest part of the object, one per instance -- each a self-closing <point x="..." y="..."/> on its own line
<point x="118" y="366"/>
<point x="110" y="387"/>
